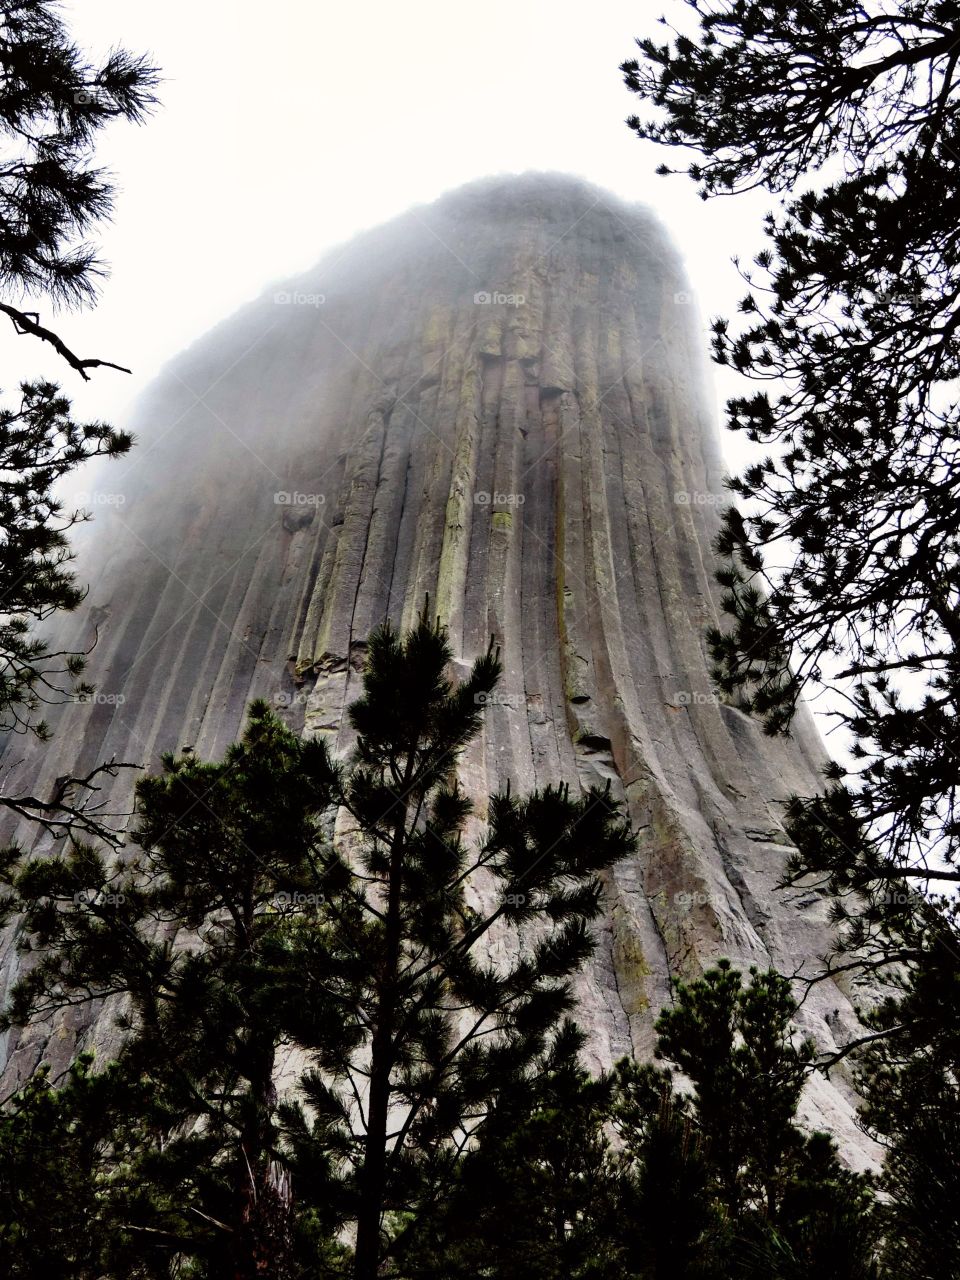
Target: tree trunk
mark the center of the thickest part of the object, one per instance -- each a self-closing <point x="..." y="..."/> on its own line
<point x="261" y="1246"/>
<point x="373" y="1173"/>
<point x="264" y="1246"/>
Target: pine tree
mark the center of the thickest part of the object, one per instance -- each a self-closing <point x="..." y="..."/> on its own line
<point x="60" y="1169"/>
<point x="737" y="1047"/>
<point x="709" y="1178"/>
<point x="849" y="112"/>
<point x="53" y="103"/>
<point x="444" y="1028"/>
<point x="767" y="1199"/>
<point x="921" y="1222"/>
<point x="250" y="924"/>
<point x="39" y="445"/>
<point x="675" y="1230"/>
<point x="198" y="940"/>
<point x="539" y="1193"/>
<point x="908" y="1075"/>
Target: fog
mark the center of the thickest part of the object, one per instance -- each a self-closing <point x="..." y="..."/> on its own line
<point x="284" y="132"/>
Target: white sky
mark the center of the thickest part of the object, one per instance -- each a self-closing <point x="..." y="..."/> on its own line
<point x="286" y="128"/>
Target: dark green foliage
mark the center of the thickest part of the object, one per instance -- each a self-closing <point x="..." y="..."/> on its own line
<point x="39" y="445"/>
<point x="916" y="1114"/>
<point x="856" y="316"/>
<point x="765" y="1199"/>
<point x="70" y="1194"/>
<point x="53" y="1164"/>
<point x="53" y="102"/>
<point x="448" y="1029"/>
<point x="245" y="929"/>
<point x="736" y="1045"/>
<point x="709" y="1178"/>
<point x="849" y="112"/>
<point x="909" y="1077"/>
<point x="675" y="1230"/>
<point x="540" y="1194"/>
<point x="201" y="935"/>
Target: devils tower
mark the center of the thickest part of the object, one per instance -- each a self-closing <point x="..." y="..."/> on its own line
<point x="496" y="401"/>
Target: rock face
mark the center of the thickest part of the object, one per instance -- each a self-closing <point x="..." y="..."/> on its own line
<point x="497" y="400"/>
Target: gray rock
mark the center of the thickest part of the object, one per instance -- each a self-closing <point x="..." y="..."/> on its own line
<point x="498" y="400"/>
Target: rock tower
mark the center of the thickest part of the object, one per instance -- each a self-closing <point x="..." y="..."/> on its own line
<point x="497" y="400"/>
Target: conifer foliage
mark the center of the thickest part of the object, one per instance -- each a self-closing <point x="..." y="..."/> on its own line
<point x="193" y="939"/>
<point x="711" y="1176"/>
<point x="446" y="1027"/>
<point x="53" y="103"/>
<point x="40" y="444"/>
<point x="254" y="930"/>
<point x="843" y="570"/>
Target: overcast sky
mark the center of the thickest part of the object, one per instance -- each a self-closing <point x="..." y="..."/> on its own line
<point x="286" y="128"/>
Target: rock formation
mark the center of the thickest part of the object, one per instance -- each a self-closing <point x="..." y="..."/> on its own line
<point x="497" y="400"/>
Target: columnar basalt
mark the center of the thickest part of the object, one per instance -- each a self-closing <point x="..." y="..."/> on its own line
<point x="497" y="401"/>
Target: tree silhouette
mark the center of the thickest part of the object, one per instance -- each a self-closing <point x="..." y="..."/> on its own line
<point x="854" y="319"/>
<point x="53" y="103"/>
<point x="252" y="923"/>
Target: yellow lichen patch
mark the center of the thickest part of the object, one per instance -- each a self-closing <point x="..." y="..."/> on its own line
<point x="632" y="970"/>
<point x="436" y="330"/>
<point x="503" y="519"/>
<point x="490" y="337"/>
<point x="614" y="350"/>
<point x="458" y="515"/>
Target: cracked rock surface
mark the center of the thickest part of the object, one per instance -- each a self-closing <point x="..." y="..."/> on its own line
<point x="497" y="399"/>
